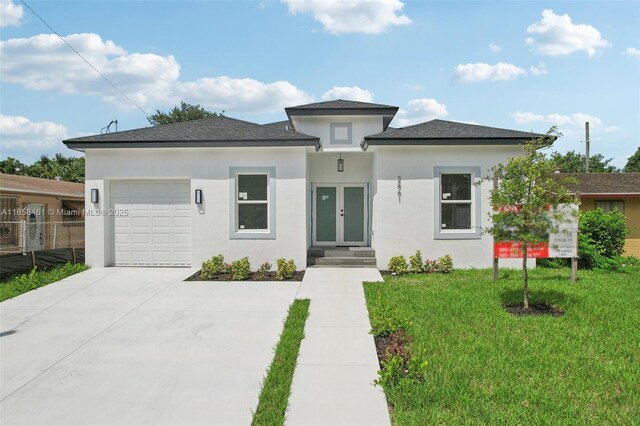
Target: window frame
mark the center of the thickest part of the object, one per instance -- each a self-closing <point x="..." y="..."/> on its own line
<point x="234" y="227"/>
<point x="332" y="134"/>
<point x="475" y="211"/>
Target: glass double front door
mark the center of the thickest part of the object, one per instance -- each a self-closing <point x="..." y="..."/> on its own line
<point x="340" y="214"/>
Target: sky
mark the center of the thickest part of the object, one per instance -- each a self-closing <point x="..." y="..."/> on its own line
<point x="512" y="64"/>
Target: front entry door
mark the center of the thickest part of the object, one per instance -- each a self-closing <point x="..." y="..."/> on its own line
<point x="340" y="214"/>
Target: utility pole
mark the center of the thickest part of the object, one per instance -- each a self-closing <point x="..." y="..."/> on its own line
<point x="586" y="158"/>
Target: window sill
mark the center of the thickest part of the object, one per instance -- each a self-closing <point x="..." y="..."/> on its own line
<point x="457" y="235"/>
<point x="253" y="235"/>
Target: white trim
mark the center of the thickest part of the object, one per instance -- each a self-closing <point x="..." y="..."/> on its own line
<point x="457" y="234"/>
<point x="252" y="234"/>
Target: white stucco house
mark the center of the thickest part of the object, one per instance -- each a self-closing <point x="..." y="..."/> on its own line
<point x="333" y="175"/>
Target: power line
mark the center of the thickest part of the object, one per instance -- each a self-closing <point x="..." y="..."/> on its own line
<point x="84" y="59"/>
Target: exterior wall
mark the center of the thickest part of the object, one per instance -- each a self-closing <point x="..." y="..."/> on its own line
<point x="207" y="169"/>
<point x="402" y="225"/>
<point x="632" y="220"/>
<point x="320" y="126"/>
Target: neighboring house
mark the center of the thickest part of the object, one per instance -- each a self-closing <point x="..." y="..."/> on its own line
<point x="37" y="202"/>
<point x="333" y="174"/>
<point x="610" y="191"/>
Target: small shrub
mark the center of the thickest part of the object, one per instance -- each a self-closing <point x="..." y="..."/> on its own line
<point x="385" y="319"/>
<point x="430" y="266"/>
<point x="398" y="265"/>
<point x="240" y="269"/>
<point x="226" y="268"/>
<point x="397" y="369"/>
<point x="265" y="267"/>
<point x="263" y="270"/>
<point x="415" y="263"/>
<point x="444" y="264"/>
<point x="285" y="269"/>
<point x="212" y="267"/>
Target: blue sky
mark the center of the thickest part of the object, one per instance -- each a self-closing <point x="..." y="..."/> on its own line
<point x="519" y="65"/>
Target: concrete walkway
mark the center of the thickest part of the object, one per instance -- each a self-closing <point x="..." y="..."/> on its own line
<point x="337" y="364"/>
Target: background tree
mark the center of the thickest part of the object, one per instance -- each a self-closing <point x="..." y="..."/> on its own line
<point x="574" y="162"/>
<point x="633" y="164"/>
<point x="185" y="112"/>
<point x="526" y="184"/>
<point x="68" y="168"/>
<point x="12" y="166"/>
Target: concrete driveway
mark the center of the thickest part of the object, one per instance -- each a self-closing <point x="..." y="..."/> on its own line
<point x="138" y="346"/>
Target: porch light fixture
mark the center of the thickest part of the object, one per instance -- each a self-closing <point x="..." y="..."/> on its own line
<point x="94" y="195"/>
<point x="340" y="164"/>
<point x="198" y="196"/>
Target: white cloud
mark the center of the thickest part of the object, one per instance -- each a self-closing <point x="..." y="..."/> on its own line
<point x="241" y="94"/>
<point x="556" y="35"/>
<point x="352" y="16"/>
<point x="494" y="47"/>
<point x="19" y="134"/>
<point x="11" y="14"/>
<point x="473" y="73"/>
<point x="350" y="93"/>
<point x="44" y="63"/>
<point x="418" y="111"/>
<point x="540" y="69"/>
<point x="632" y="51"/>
<point x="568" y="124"/>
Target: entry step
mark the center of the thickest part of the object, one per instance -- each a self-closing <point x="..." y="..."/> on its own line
<point x="355" y="257"/>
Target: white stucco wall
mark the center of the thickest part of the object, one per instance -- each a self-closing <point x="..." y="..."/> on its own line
<point x="402" y="226"/>
<point x="363" y="125"/>
<point x="207" y="169"/>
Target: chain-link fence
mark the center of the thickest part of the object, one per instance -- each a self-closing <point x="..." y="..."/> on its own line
<point x="22" y="237"/>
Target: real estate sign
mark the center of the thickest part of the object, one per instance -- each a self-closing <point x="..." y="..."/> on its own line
<point x="559" y="240"/>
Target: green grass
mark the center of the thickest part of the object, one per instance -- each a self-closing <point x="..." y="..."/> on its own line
<point x="19" y="284"/>
<point x="276" y="387"/>
<point x="489" y="367"/>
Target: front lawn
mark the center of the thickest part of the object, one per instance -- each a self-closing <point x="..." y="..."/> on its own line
<point x="488" y="366"/>
<point x="19" y="284"/>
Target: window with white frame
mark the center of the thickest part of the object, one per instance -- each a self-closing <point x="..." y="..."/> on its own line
<point x="252" y="191"/>
<point x="610" y="205"/>
<point x="457" y="203"/>
<point x="252" y="201"/>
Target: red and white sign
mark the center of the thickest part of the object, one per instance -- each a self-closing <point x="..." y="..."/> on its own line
<point x="560" y="241"/>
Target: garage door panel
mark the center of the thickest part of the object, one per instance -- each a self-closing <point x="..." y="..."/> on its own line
<point x="157" y="231"/>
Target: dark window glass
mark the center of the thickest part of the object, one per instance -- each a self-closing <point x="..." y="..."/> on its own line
<point x="455" y="216"/>
<point x="252" y="187"/>
<point x="252" y="216"/>
<point x="456" y="187"/>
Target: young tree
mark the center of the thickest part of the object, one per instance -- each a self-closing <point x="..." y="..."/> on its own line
<point x="527" y="186"/>
<point x="633" y="164"/>
<point x="574" y="162"/>
<point x="186" y="112"/>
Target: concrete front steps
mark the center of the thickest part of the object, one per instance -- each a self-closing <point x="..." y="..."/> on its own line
<point x="341" y="257"/>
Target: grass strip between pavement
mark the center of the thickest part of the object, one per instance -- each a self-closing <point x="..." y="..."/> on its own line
<point x="274" y="395"/>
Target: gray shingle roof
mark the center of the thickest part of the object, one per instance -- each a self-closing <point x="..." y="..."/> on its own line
<point x="443" y="129"/>
<point x="279" y="125"/>
<point x="342" y="107"/>
<point x="210" y="131"/>
<point x="604" y="183"/>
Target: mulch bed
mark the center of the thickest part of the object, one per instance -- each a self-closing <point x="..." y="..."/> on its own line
<point x="534" y="309"/>
<point x="396" y="343"/>
<point x="255" y="276"/>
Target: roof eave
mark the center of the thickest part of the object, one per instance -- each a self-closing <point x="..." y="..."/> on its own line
<point x="294" y="112"/>
<point x="369" y="141"/>
<point x="80" y="145"/>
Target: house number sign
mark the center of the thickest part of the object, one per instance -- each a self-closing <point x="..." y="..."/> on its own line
<point x="399" y="188"/>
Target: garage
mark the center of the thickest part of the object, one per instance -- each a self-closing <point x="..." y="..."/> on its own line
<point x="152" y="222"/>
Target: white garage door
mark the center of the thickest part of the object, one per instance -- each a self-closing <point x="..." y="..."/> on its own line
<point x="157" y="229"/>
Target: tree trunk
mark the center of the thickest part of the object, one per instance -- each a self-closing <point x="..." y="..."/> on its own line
<point x="525" y="276"/>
